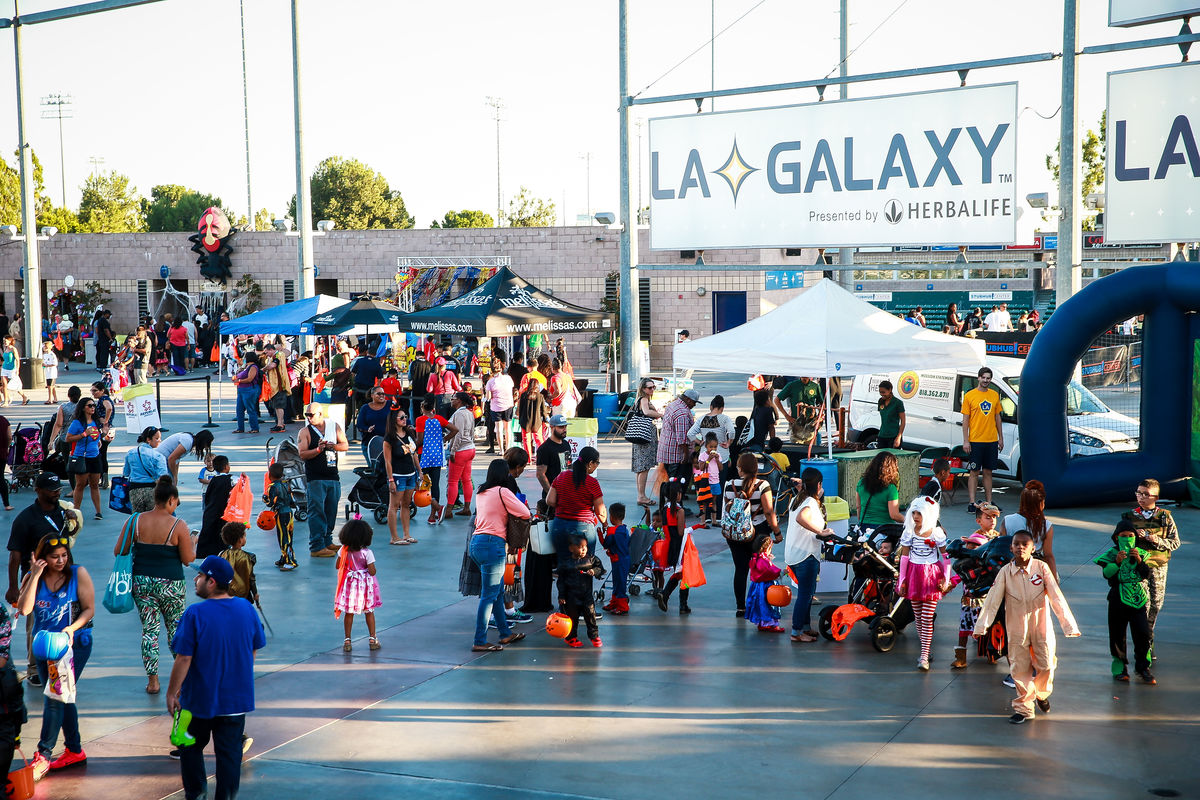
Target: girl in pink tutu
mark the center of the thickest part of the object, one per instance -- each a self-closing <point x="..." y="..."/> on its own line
<point x="922" y="570"/>
<point x="357" y="586"/>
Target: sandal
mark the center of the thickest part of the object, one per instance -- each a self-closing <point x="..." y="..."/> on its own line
<point x="346" y="646"/>
<point x="373" y="643"/>
<point x="486" y="648"/>
<point x="153" y="688"/>
<point x="408" y="540"/>
<point x="804" y="637"/>
<point x="512" y="638"/>
<point x="400" y="541"/>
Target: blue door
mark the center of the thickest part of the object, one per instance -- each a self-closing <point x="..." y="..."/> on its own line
<point x="729" y="310"/>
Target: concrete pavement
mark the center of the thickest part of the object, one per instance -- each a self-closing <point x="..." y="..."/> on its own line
<point x="698" y="706"/>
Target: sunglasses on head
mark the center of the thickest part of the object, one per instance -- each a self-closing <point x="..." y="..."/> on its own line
<point x="58" y="541"/>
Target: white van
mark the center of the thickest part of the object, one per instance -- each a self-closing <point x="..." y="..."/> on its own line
<point x="933" y="412"/>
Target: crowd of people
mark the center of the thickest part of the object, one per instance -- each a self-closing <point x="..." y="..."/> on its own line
<point x="426" y="418"/>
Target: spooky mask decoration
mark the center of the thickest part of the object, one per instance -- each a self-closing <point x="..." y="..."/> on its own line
<point x="213" y="242"/>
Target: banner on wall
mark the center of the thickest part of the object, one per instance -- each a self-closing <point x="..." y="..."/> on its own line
<point x="1127" y="13"/>
<point x="924" y="168"/>
<point x="1152" y="163"/>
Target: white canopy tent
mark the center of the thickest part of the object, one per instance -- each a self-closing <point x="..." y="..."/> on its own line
<point x="826" y="332"/>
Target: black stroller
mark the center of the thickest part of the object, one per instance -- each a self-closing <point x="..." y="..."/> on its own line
<point x="872" y="592"/>
<point x="371" y="491"/>
<point x="978" y="569"/>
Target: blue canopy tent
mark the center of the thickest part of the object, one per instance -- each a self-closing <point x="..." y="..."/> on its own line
<point x="285" y="319"/>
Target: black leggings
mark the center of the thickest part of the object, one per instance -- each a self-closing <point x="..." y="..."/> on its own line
<point x="742" y="552"/>
<point x="104" y="443"/>
<point x="435" y="482"/>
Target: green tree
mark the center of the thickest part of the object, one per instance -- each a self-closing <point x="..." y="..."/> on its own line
<point x="176" y="208"/>
<point x="66" y="220"/>
<point x="527" y="211"/>
<point x="10" y="191"/>
<point x="465" y="219"/>
<point x="354" y="196"/>
<point x="262" y="220"/>
<point x="110" y="205"/>
<point x="1092" y="148"/>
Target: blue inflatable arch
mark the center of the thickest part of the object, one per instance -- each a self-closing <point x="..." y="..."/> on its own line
<point x="1168" y="294"/>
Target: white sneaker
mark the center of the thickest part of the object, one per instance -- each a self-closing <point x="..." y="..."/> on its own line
<point x="923" y="665"/>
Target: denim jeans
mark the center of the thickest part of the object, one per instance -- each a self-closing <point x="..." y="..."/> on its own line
<point x="58" y="716"/>
<point x="323" y="498"/>
<point x="806" y="586"/>
<point x="247" y="406"/>
<point x="561" y="531"/>
<point x="226" y="734"/>
<point x="488" y="552"/>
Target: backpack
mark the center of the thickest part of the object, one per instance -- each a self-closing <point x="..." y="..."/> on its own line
<point x="736" y="521"/>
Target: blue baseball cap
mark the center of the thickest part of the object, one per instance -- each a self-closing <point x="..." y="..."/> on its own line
<point x="218" y="569"/>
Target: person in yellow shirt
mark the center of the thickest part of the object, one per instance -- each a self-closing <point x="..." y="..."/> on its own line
<point x="983" y="434"/>
<point x="775" y="451"/>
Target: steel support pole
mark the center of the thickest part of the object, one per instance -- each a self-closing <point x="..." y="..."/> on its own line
<point x="304" y="224"/>
<point x="245" y="118"/>
<point x="33" y="274"/>
<point x="1067" y="276"/>
<point x="845" y="254"/>
<point x="630" y="332"/>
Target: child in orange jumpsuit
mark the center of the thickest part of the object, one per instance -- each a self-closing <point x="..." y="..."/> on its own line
<point x="1029" y="592"/>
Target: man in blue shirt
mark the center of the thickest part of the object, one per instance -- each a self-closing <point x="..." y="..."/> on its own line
<point x="213" y="678"/>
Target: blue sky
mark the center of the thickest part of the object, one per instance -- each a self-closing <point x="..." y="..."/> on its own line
<point x="401" y="85"/>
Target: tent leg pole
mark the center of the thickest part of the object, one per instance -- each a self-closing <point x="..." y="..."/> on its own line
<point x="828" y="414"/>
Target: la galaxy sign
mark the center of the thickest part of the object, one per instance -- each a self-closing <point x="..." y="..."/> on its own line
<point x="1152" y="183"/>
<point x="914" y="169"/>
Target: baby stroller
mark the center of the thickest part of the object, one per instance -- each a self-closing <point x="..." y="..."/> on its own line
<point x="25" y="456"/>
<point x="371" y="491"/>
<point x="287" y="453"/>
<point x="978" y="569"/>
<point x="872" y="593"/>
<point x="641" y="559"/>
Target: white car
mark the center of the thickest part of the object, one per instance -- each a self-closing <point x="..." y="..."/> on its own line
<point x="933" y="412"/>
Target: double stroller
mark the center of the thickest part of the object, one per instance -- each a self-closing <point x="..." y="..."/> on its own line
<point x="873" y="556"/>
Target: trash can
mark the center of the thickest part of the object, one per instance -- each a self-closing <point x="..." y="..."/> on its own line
<point x="30" y="370"/>
<point x="828" y="468"/>
<point x="605" y="406"/>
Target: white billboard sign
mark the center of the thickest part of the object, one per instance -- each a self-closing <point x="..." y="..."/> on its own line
<point x="915" y="169"/>
<point x="1152" y="167"/>
<point x="1126" y="13"/>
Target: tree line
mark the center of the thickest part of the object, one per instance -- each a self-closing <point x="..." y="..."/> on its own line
<point x="344" y="190"/>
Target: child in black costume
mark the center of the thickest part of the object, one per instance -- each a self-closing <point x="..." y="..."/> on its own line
<point x="575" y="588"/>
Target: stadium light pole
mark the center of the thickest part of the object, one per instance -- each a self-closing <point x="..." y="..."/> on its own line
<point x="304" y="223"/>
<point x="32" y="286"/>
<point x="629" y="232"/>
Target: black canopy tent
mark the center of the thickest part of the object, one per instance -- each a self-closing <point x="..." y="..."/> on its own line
<point x="507" y="305"/>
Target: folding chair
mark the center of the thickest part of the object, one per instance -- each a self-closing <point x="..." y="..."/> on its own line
<point x="620" y="420"/>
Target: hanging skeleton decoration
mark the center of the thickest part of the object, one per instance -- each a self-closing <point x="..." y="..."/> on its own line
<point x="213" y="242"/>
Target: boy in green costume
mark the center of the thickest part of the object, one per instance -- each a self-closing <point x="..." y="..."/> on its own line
<point x="1124" y="567"/>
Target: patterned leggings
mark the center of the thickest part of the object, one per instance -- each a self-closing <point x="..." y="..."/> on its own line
<point x="157" y="597"/>
<point x="924" y="612"/>
<point x="283" y="532"/>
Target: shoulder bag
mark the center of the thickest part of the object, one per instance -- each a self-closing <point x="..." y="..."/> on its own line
<point x="118" y="597"/>
<point x="516" y="528"/>
<point x="639" y="429"/>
